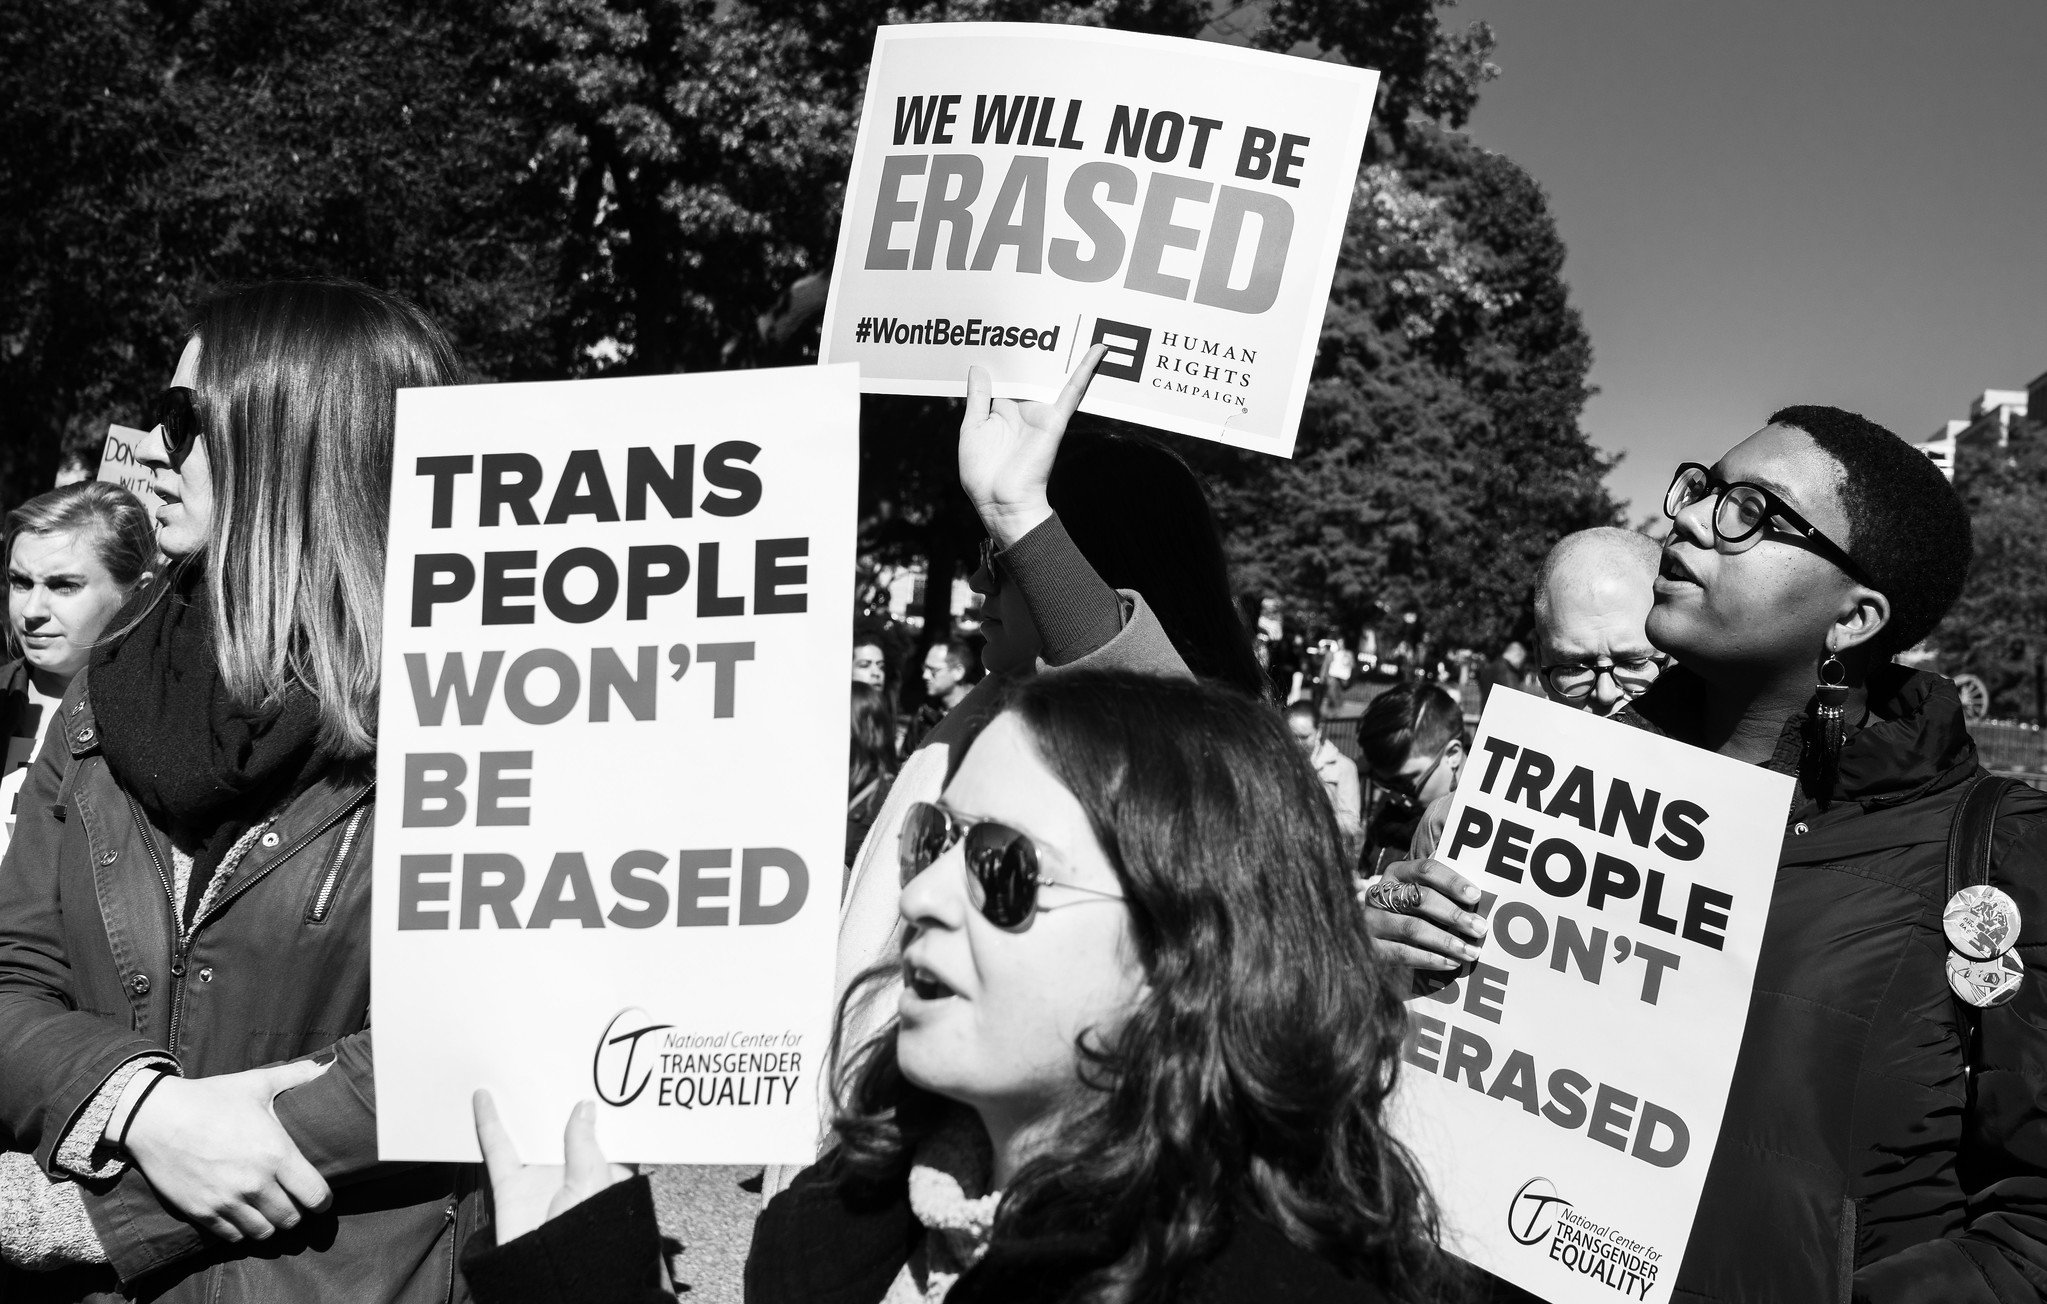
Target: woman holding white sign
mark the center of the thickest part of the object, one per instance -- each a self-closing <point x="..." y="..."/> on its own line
<point x="1142" y="1049"/>
<point x="1886" y="1131"/>
<point x="184" y="914"/>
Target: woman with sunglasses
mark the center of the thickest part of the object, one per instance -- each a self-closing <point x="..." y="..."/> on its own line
<point x="1141" y="1051"/>
<point x="1885" y="1134"/>
<point x="184" y="913"/>
<point x="1101" y="552"/>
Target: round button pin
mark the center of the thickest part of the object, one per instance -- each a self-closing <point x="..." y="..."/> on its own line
<point x="1981" y="922"/>
<point x="1986" y="982"/>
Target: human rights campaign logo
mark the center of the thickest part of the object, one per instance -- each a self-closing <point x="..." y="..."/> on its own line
<point x="1533" y="1212"/>
<point x="1127" y="345"/>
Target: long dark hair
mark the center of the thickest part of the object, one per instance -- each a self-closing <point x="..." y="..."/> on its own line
<point x="1255" y="1070"/>
<point x="1139" y="515"/>
<point x="873" y="754"/>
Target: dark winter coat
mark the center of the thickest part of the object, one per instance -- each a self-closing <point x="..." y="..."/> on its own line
<point x="1869" y="1152"/>
<point x="277" y="968"/>
<point x="819" y="1244"/>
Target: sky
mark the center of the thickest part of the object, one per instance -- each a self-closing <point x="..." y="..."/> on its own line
<point x="1770" y="202"/>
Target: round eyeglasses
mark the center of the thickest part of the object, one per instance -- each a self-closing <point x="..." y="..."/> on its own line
<point x="1741" y="510"/>
<point x="1574" y="680"/>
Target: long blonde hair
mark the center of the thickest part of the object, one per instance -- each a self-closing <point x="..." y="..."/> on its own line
<point x="297" y="403"/>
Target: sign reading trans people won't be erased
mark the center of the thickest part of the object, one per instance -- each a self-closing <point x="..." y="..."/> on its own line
<point x="1021" y="192"/>
<point x="1564" y="1095"/>
<point x="611" y="804"/>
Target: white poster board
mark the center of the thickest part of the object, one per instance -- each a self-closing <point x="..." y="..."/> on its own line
<point x="612" y="752"/>
<point x="1565" y="1095"/>
<point x="1021" y="192"/>
<point x="118" y="464"/>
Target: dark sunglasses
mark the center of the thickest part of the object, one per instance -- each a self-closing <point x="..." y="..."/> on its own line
<point x="176" y="410"/>
<point x="1408" y="792"/>
<point x="1002" y="863"/>
<point x="1743" y="509"/>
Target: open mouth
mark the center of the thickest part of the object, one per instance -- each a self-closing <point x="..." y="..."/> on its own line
<point x="1673" y="570"/>
<point x="924" y="984"/>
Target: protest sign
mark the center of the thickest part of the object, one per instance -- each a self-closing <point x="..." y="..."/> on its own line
<point x="612" y="747"/>
<point x="1021" y="192"/>
<point x="119" y="466"/>
<point x="1564" y="1094"/>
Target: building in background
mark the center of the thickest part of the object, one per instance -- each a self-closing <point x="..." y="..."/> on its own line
<point x="1990" y="423"/>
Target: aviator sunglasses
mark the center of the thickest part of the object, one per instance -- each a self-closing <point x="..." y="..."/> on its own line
<point x="1002" y="863"/>
<point x="175" y="411"/>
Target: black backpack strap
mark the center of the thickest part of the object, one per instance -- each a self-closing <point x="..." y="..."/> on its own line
<point x="1975" y="822"/>
<point x="1968" y="865"/>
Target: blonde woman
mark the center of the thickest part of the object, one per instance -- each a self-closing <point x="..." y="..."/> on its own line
<point x="184" y="914"/>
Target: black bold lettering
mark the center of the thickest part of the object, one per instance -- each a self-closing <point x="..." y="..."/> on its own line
<point x="725" y="467"/>
<point x="1622" y="806"/>
<point x="1682" y="838"/>
<point x="1254" y="156"/>
<point x="710" y="602"/>
<point x="1612" y="878"/>
<point x="1567" y="1102"/>
<point x="414" y="891"/>
<point x="1706" y="916"/>
<point x="439" y="577"/>
<point x="444" y="470"/>
<point x="568" y="686"/>
<point x="635" y="877"/>
<point x="642" y="581"/>
<point x="566" y="893"/>
<point x="753" y="864"/>
<point x="555" y="589"/>
<point x="1467" y="1056"/>
<point x="693" y="888"/>
<point x="433" y="790"/>
<point x="635" y="691"/>
<point x="509" y="480"/>
<point x="430" y="702"/>
<point x="1510" y="849"/>
<point x="1531" y="775"/>
<point x="1573" y="876"/>
<point x="495" y="785"/>
<point x="769" y="575"/>
<point x="499" y="583"/>
<point x="1472" y="831"/>
<point x="491" y="879"/>
<point x="583" y="490"/>
<point x="1612" y="1111"/>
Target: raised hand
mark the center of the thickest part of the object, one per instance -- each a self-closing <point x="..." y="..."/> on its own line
<point x="213" y="1150"/>
<point x="527" y="1195"/>
<point x="1007" y="447"/>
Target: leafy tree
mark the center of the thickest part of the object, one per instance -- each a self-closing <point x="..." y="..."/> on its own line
<point x="1998" y="630"/>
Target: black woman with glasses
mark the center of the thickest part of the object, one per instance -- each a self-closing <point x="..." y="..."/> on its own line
<point x="1142" y="1049"/>
<point x="1885" y="1137"/>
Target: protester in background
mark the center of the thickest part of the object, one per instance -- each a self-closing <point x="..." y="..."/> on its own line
<point x="870" y="664"/>
<point x="1590" y="608"/>
<point x="1884" y="1136"/>
<point x="1101" y="552"/>
<point x="1143" y="1052"/>
<point x="1411" y="738"/>
<point x="1507" y="670"/>
<point x="1339" y="774"/>
<point x="951" y="669"/>
<point x="72" y="556"/>
<point x="871" y="767"/>
<point x="185" y="911"/>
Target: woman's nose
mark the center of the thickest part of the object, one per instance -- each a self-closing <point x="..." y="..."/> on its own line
<point x="1695" y="522"/>
<point x="937" y="896"/>
<point x="152" y="451"/>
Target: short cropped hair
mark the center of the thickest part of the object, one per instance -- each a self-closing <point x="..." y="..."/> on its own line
<point x="1305" y="707"/>
<point x="1907" y="527"/>
<point x="964" y="655"/>
<point x="1405" y="719"/>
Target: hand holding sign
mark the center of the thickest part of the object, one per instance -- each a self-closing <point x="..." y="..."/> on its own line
<point x="1437" y="933"/>
<point x="1007" y="448"/>
<point x="527" y="1195"/>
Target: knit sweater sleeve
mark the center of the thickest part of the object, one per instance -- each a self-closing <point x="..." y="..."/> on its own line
<point x="1075" y="610"/>
<point x="43" y="1223"/>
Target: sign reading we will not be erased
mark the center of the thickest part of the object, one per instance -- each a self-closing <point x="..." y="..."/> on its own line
<point x="612" y="757"/>
<point x="1564" y="1096"/>
<point x="1021" y="192"/>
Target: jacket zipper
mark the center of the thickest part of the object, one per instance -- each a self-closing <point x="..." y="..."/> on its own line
<point x="318" y="914"/>
<point x="178" y="934"/>
<point x="282" y="856"/>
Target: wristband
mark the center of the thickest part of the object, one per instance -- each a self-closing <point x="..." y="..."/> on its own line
<point x="156" y="1079"/>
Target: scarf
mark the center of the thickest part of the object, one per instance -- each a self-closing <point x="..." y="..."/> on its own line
<point x="950" y="1197"/>
<point x="203" y="766"/>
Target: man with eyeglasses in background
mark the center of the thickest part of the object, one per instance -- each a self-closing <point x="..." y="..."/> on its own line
<point x="1591" y="604"/>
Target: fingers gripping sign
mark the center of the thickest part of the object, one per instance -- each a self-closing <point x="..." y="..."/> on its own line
<point x="1431" y="929"/>
<point x="527" y="1195"/>
<point x="1007" y="448"/>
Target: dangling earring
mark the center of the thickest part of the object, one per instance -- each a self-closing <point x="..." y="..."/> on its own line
<point x="1830" y="718"/>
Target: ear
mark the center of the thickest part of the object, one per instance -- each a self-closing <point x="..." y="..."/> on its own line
<point x="1453" y="756"/>
<point x="1864" y="612"/>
